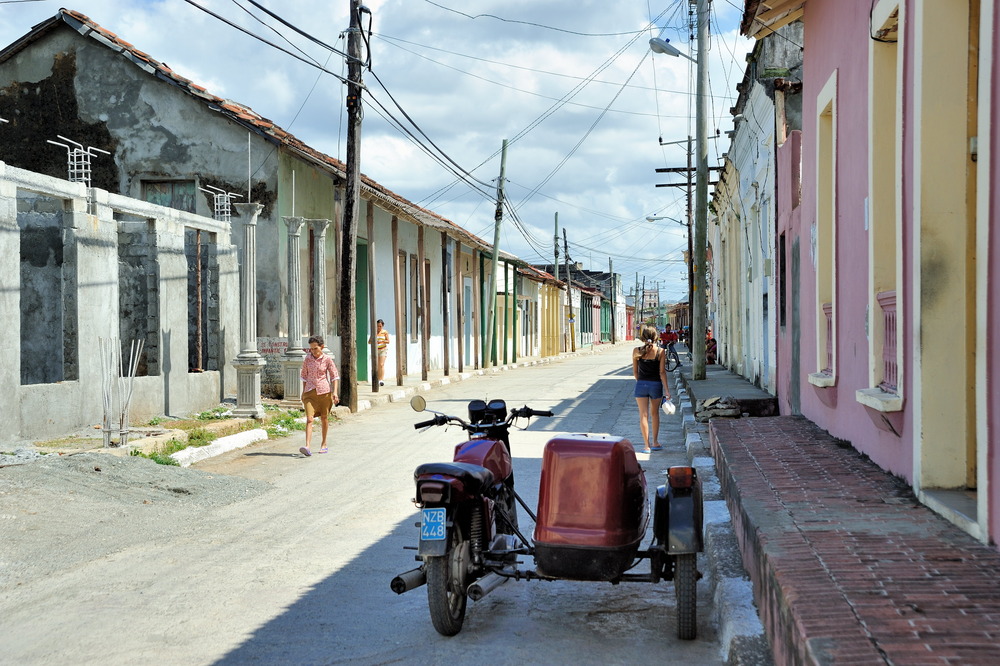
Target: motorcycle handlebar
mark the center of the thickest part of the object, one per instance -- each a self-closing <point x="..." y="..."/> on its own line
<point x="441" y="419"/>
<point x="529" y="412"/>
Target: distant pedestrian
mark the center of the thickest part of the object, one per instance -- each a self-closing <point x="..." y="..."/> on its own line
<point x="650" y="372"/>
<point x="320" y="390"/>
<point x="711" y="348"/>
<point x="382" y="340"/>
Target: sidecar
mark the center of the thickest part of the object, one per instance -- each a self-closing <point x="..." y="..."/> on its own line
<point x="592" y="509"/>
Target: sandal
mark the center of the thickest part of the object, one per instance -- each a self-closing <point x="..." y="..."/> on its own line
<point x="646" y="450"/>
<point x="305" y="451"/>
<point x="323" y="450"/>
<point x="657" y="448"/>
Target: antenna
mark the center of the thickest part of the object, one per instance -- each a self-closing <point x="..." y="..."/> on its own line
<point x="79" y="159"/>
<point x="223" y="202"/>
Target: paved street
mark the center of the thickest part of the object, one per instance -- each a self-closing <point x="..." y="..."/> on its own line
<point x="300" y="574"/>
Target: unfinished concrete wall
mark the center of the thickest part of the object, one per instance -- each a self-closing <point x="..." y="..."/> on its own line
<point x="108" y="258"/>
<point x="203" y="300"/>
<point x="138" y="293"/>
<point x="46" y="307"/>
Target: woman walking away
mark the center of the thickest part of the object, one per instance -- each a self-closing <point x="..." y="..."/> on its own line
<point x="320" y="390"/>
<point x="650" y="372"/>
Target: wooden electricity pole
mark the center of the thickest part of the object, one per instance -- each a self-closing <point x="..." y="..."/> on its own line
<point x="348" y="319"/>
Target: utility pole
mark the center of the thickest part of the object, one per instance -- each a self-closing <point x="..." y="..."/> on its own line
<point x="611" y="273"/>
<point x="352" y="195"/>
<point x="690" y="220"/>
<point x="700" y="303"/>
<point x="643" y="300"/>
<point x="498" y="218"/>
<point x="638" y="307"/>
<point x="569" y="296"/>
<point x="555" y="265"/>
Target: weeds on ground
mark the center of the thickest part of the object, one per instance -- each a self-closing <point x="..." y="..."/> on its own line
<point x="278" y="422"/>
<point x="283" y="423"/>
<point x="219" y="412"/>
<point x="161" y="455"/>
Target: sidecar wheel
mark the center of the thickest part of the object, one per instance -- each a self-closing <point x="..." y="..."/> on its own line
<point x="447" y="582"/>
<point x="686" y="590"/>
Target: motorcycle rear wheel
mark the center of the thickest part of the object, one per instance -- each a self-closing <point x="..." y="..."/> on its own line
<point x="447" y="583"/>
<point x="686" y="591"/>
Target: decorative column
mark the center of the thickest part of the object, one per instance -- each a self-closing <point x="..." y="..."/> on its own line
<point x="294" y="352"/>
<point x="319" y="228"/>
<point x="248" y="362"/>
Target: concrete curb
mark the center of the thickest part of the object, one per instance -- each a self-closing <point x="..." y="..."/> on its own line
<point x="222" y="445"/>
<point x="741" y="633"/>
<point x="194" y="454"/>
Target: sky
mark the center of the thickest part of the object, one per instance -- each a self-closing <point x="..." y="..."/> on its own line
<point x="571" y="84"/>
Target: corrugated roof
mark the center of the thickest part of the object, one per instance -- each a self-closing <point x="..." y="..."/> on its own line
<point x="245" y="116"/>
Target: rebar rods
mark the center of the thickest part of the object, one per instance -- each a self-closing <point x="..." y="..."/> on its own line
<point x="115" y="372"/>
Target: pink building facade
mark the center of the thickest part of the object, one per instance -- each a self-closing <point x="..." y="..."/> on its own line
<point x="885" y="241"/>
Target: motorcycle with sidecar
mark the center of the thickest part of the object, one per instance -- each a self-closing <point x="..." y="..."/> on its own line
<point x="592" y="517"/>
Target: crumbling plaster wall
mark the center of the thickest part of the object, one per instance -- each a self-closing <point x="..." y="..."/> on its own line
<point x="154" y="130"/>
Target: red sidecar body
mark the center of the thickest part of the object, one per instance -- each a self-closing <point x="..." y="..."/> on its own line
<point x="592" y="508"/>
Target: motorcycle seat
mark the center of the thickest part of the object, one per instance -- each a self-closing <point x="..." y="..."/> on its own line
<point x="474" y="477"/>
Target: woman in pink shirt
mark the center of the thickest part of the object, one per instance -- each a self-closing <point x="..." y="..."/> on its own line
<point x="320" y="390"/>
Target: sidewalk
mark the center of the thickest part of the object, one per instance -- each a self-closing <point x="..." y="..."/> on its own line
<point x="847" y="566"/>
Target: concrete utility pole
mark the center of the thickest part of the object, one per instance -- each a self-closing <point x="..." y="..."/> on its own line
<point x="690" y="225"/>
<point x="699" y="319"/>
<point x="498" y="218"/>
<point x="611" y="273"/>
<point x="569" y="296"/>
<point x="352" y="195"/>
<point x="555" y="265"/>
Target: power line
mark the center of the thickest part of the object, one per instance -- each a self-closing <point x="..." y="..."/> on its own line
<point x="269" y="43"/>
<point x="536" y="25"/>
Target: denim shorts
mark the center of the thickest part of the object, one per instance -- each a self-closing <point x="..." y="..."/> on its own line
<point x="648" y="389"/>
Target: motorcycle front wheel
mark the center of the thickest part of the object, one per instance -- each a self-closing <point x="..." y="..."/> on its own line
<point x="447" y="582"/>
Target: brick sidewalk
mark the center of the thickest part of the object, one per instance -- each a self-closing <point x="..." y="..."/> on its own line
<point x="847" y="566"/>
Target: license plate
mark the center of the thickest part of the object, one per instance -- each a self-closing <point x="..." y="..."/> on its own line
<point x="432" y="526"/>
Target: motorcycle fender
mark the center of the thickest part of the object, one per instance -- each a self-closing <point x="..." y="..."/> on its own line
<point x="677" y="520"/>
<point x="436" y="547"/>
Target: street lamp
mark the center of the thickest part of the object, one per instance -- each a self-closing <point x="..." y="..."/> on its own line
<point x="690" y="263"/>
<point x="664" y="46"/>
<point x="699" y="304"/>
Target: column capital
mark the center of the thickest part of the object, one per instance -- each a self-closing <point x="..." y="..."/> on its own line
<point x="319" y="225"/>
<point x="294" y="223"/>
<point x="249" y="212"/>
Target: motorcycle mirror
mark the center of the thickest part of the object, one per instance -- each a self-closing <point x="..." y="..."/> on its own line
<point x="418" y="403"/>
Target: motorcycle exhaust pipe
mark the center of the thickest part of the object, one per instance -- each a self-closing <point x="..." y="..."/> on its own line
<point x="410" y="580"/>
<point x="485" y="585"/>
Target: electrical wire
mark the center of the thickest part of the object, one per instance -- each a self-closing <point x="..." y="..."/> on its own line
<point x="298" y="30"/>
<point x="536" y="25"/>
<point x="396" y="41"/>
<point x="272" y="29"/>
<point x="261" y="39"/>
<point x="424" y="134"/>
